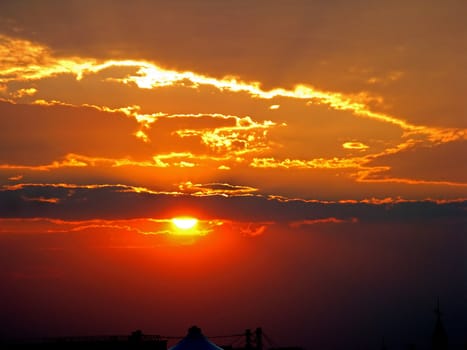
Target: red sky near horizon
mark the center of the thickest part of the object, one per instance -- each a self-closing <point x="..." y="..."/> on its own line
<point x="320" y="145"/>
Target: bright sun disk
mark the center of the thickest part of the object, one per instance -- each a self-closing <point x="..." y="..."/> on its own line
<point x="184" y="223"/>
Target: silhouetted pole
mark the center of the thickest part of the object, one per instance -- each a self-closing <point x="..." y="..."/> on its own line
<point x="259" y="339"/>
<point x="248" y="339"/>
<point x="440" y="338"/>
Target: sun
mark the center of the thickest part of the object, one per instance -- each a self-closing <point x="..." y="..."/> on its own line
<point x="185" y="223"/>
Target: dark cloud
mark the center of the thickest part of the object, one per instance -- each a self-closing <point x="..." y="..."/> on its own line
<point x="122" y="202"/>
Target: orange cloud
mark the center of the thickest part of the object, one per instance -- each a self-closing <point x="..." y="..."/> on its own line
<point x="318" y="163"/>
<point x="41" y="63"/>
<point x="164" y="160"/>
<point x="141" y="226"/>
<point x="225" y="144"/>
<point x="41" y="199"/>
<point x="26" y="61"/>
<point x="15" y="178"/>
<point x="71" y="186"/>
<point x="209" y="189"/>
<point x="247" y="136"/>
<point x="377" y="175"/>
<point x="254" y="229"/>
<point x="24" y="92"/>
<point x="70" y="160"/>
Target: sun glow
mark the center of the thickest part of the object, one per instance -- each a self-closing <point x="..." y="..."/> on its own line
<point x="184" y="223"/>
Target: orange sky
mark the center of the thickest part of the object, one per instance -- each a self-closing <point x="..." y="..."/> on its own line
<point x="386" y="123"/>
<point x="255" y="117"/>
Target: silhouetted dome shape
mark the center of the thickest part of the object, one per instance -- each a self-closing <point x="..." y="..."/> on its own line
<point x="195" y="340"/>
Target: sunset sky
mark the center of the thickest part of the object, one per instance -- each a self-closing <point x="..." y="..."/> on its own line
<point x="321" y="145"/>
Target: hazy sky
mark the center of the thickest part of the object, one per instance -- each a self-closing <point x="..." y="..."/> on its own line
<point x="320" y="144"/>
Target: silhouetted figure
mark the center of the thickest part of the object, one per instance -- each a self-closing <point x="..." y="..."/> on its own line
<point x="440" y="337"/>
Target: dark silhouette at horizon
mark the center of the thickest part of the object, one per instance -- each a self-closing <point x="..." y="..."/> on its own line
<point x="196" y="340"/>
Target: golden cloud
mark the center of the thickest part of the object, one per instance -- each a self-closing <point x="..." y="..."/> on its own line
<point x="354" y="145"/>
<point x="247" y="136"/>
<point x="24" y="92"/>
<point x="318" y="163"/>
<point x="28" y="61"/>
<point x="210" y="189"/>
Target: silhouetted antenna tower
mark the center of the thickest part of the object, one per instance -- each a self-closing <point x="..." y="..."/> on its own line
<point x="440" y="337"/>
